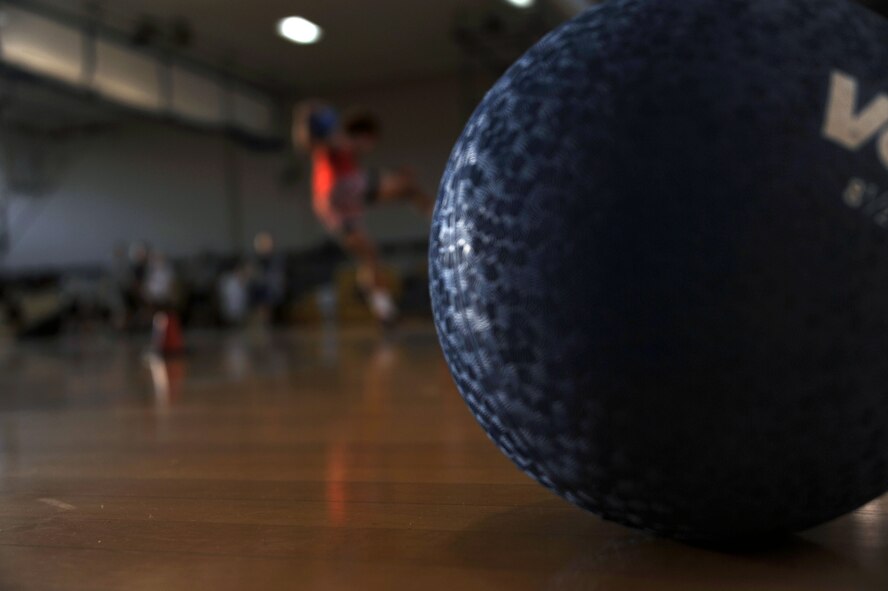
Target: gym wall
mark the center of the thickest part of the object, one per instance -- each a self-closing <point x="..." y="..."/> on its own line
<point x="166" y="185"/>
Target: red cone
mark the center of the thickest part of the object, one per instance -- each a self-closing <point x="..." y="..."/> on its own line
<point x="168" y="338"/>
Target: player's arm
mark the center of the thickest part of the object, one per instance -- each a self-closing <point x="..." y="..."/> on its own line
<point x="301" y="133"/>
<point x="316" y="124"/>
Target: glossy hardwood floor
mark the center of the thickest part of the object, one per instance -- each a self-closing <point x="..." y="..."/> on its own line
<point x="319" y="460"/>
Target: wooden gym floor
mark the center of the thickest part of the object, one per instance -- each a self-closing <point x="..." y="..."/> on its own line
<point x="319" y="461"/>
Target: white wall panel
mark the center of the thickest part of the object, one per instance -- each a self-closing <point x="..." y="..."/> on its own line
<point x="251" y="112"/>
<point x="196" y="97"/>
<point x="127" y="76"/>
<point x="42" y="46"/>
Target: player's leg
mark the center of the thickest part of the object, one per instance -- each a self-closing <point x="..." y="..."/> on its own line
<point x="401" y="186"/>
<point x="345" y="219"/>
<point x="359" y="244"/>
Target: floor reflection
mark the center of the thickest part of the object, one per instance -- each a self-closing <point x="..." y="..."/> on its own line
<point x="330" y="452"/>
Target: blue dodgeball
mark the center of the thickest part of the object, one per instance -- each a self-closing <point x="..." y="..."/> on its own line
<point x="659" y="264"/>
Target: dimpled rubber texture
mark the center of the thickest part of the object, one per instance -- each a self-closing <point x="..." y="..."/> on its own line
<point x="646" y="281"/>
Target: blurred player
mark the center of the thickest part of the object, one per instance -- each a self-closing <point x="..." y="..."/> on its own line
<point x="343" y="188"/>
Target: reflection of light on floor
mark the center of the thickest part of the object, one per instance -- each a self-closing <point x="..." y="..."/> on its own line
<point x="385" y="356"/>
<point x="336" y="473"/>
<point x="237" y="359"/>
<point x="160" y="379"/>
<point x="330" y="344"/>
<point x="167" y="378"/>
<point x="869" y="525"/>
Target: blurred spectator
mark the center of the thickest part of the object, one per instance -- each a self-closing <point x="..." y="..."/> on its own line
<point x="234" y="304"/>
<point x="84" y="299"/>
<point x="139" y="254"/>
<point x="119" y="280"/>
<point x="5" y="324"/>
<point x="134" y="281"/>
<point x="199" y="277"/>
<point x="269" y="277"/>
<point x="160" y="280"/>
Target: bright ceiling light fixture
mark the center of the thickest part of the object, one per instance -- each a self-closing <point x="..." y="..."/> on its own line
<point x="300" y="30"/>
<point x="521" y="3"/>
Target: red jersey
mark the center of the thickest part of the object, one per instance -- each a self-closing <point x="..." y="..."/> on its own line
<point x="329" y="165"/>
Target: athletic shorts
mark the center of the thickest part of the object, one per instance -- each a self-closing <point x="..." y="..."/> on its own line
<point x="347" y="205"/>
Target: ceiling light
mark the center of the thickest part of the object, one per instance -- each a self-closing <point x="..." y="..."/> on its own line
<point x="521" y="3"/>
<point x="299" y="30"/>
